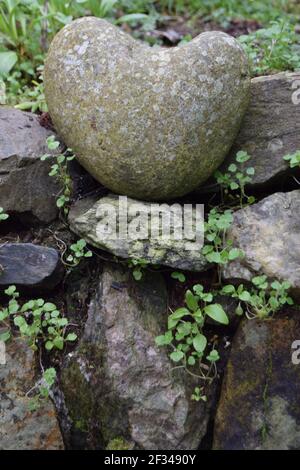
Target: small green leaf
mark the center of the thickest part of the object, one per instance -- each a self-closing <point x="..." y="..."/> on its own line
<point x="245" y="296"/>
<point x="242" y="157"/>
<point x="58" y="342"/>
<point x="251" y="199"/>
<point x="191" y="301"/>
<point x="234" y="186"/>
<point x="216" y="312"/>
<point x="207" y="249"/>
<point x="180" y="313"/>
<point x="214" y="257"/>
<point x="19" y="321"/>
<point x="213" y="356"/>
<point x="176" y="356"/>
<point x="49" y="345"/>
<point x="234" y="253"/>
<point x="239" y="310"/>
<point x="10" y="290"/>
<point x="137" y="274"/>
<point x="176" y="316"/>
<point x="250" y="171"/>
<point x="229" y="289"/>
<point x="232" y="168"/>
<point x="71" y="337"/>
<point x="274" y="303"/>
<point x="55" y="314"/>
<point x="199" y="343"/>
<point x="178" y="276"/>
<point x="191" y="361"/>
<point x="198" y="289"/>
<point x="49" y="307"/>
<point x="13" y="307"/>
<point x="81" y="244"/>
<point x="7" y="61"/>
<point x="184" y="328"/>
<point x="198" y="317"/>
<point x="61" y="321"/>
<point x="5" y="336"/>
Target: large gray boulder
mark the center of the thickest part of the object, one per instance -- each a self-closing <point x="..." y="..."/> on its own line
<point x="20" y="428"/>
<point x="269" y="235"/>
<point x="26" y="189"/>
<point x="86" y="215"/>
<point x="118" y="384"/>
<point x="270" y="129"/>
<point x="150" y="123"/>
<point x="259" y="408"/>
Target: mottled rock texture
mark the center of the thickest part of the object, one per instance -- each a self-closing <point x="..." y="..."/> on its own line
<point x="26" y="189"/>
<point x="20" y="428"/>
<point x="119" y="384"/>
<point x="259" y="406"/>
<point x="29" y="266"/>
<point x="150" y="123"/>
<point x="86" y="214"/>
<point x="269" y="234"/>
<point x="270" y="129"/>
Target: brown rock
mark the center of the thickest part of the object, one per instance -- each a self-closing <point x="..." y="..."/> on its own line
<point x="259" y="406"/>
<point x="21" y="429"/>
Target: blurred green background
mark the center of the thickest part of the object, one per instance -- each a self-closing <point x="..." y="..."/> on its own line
<point x="268" y="30"/>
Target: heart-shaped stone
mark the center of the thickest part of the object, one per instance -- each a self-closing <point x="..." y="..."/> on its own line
<point x="151" y="123"/>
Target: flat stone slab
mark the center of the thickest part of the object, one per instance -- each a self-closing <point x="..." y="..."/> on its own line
<point x="84" y="220"/>
<point x="31" y="266"/>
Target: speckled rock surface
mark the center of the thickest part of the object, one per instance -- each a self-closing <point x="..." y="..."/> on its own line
<point x="269" y="234"/>
<point x="26" y="189"/>
<point x="270" y="128"/>
<point x="118" y="384"/>
<point x="20" y="428"/>
<point x="86" y="214"/>
<point x="30" y="266"/>
<point x="150" y="123"/>
<point x="259" y="407"/>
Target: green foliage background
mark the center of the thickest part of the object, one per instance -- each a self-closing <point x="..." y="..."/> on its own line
<point x="27" y="27"/>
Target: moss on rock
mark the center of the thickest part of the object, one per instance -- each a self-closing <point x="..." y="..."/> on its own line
<point x="150" y="123"/>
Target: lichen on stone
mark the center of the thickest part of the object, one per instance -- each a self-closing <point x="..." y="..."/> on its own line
<point x="150" y="123"/>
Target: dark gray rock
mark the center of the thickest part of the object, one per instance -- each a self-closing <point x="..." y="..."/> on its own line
<point x="30" y="266"/>
<point x="86" y="214"/>
<point x="20" y="428"/>
<point x="269" y="234"/>
<point x="259" y="407"/>
<point x="26" y="188"/>
<point x="151" y="123"/>
<point x="270" y="129"/>
<point x="118" y="384"/>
